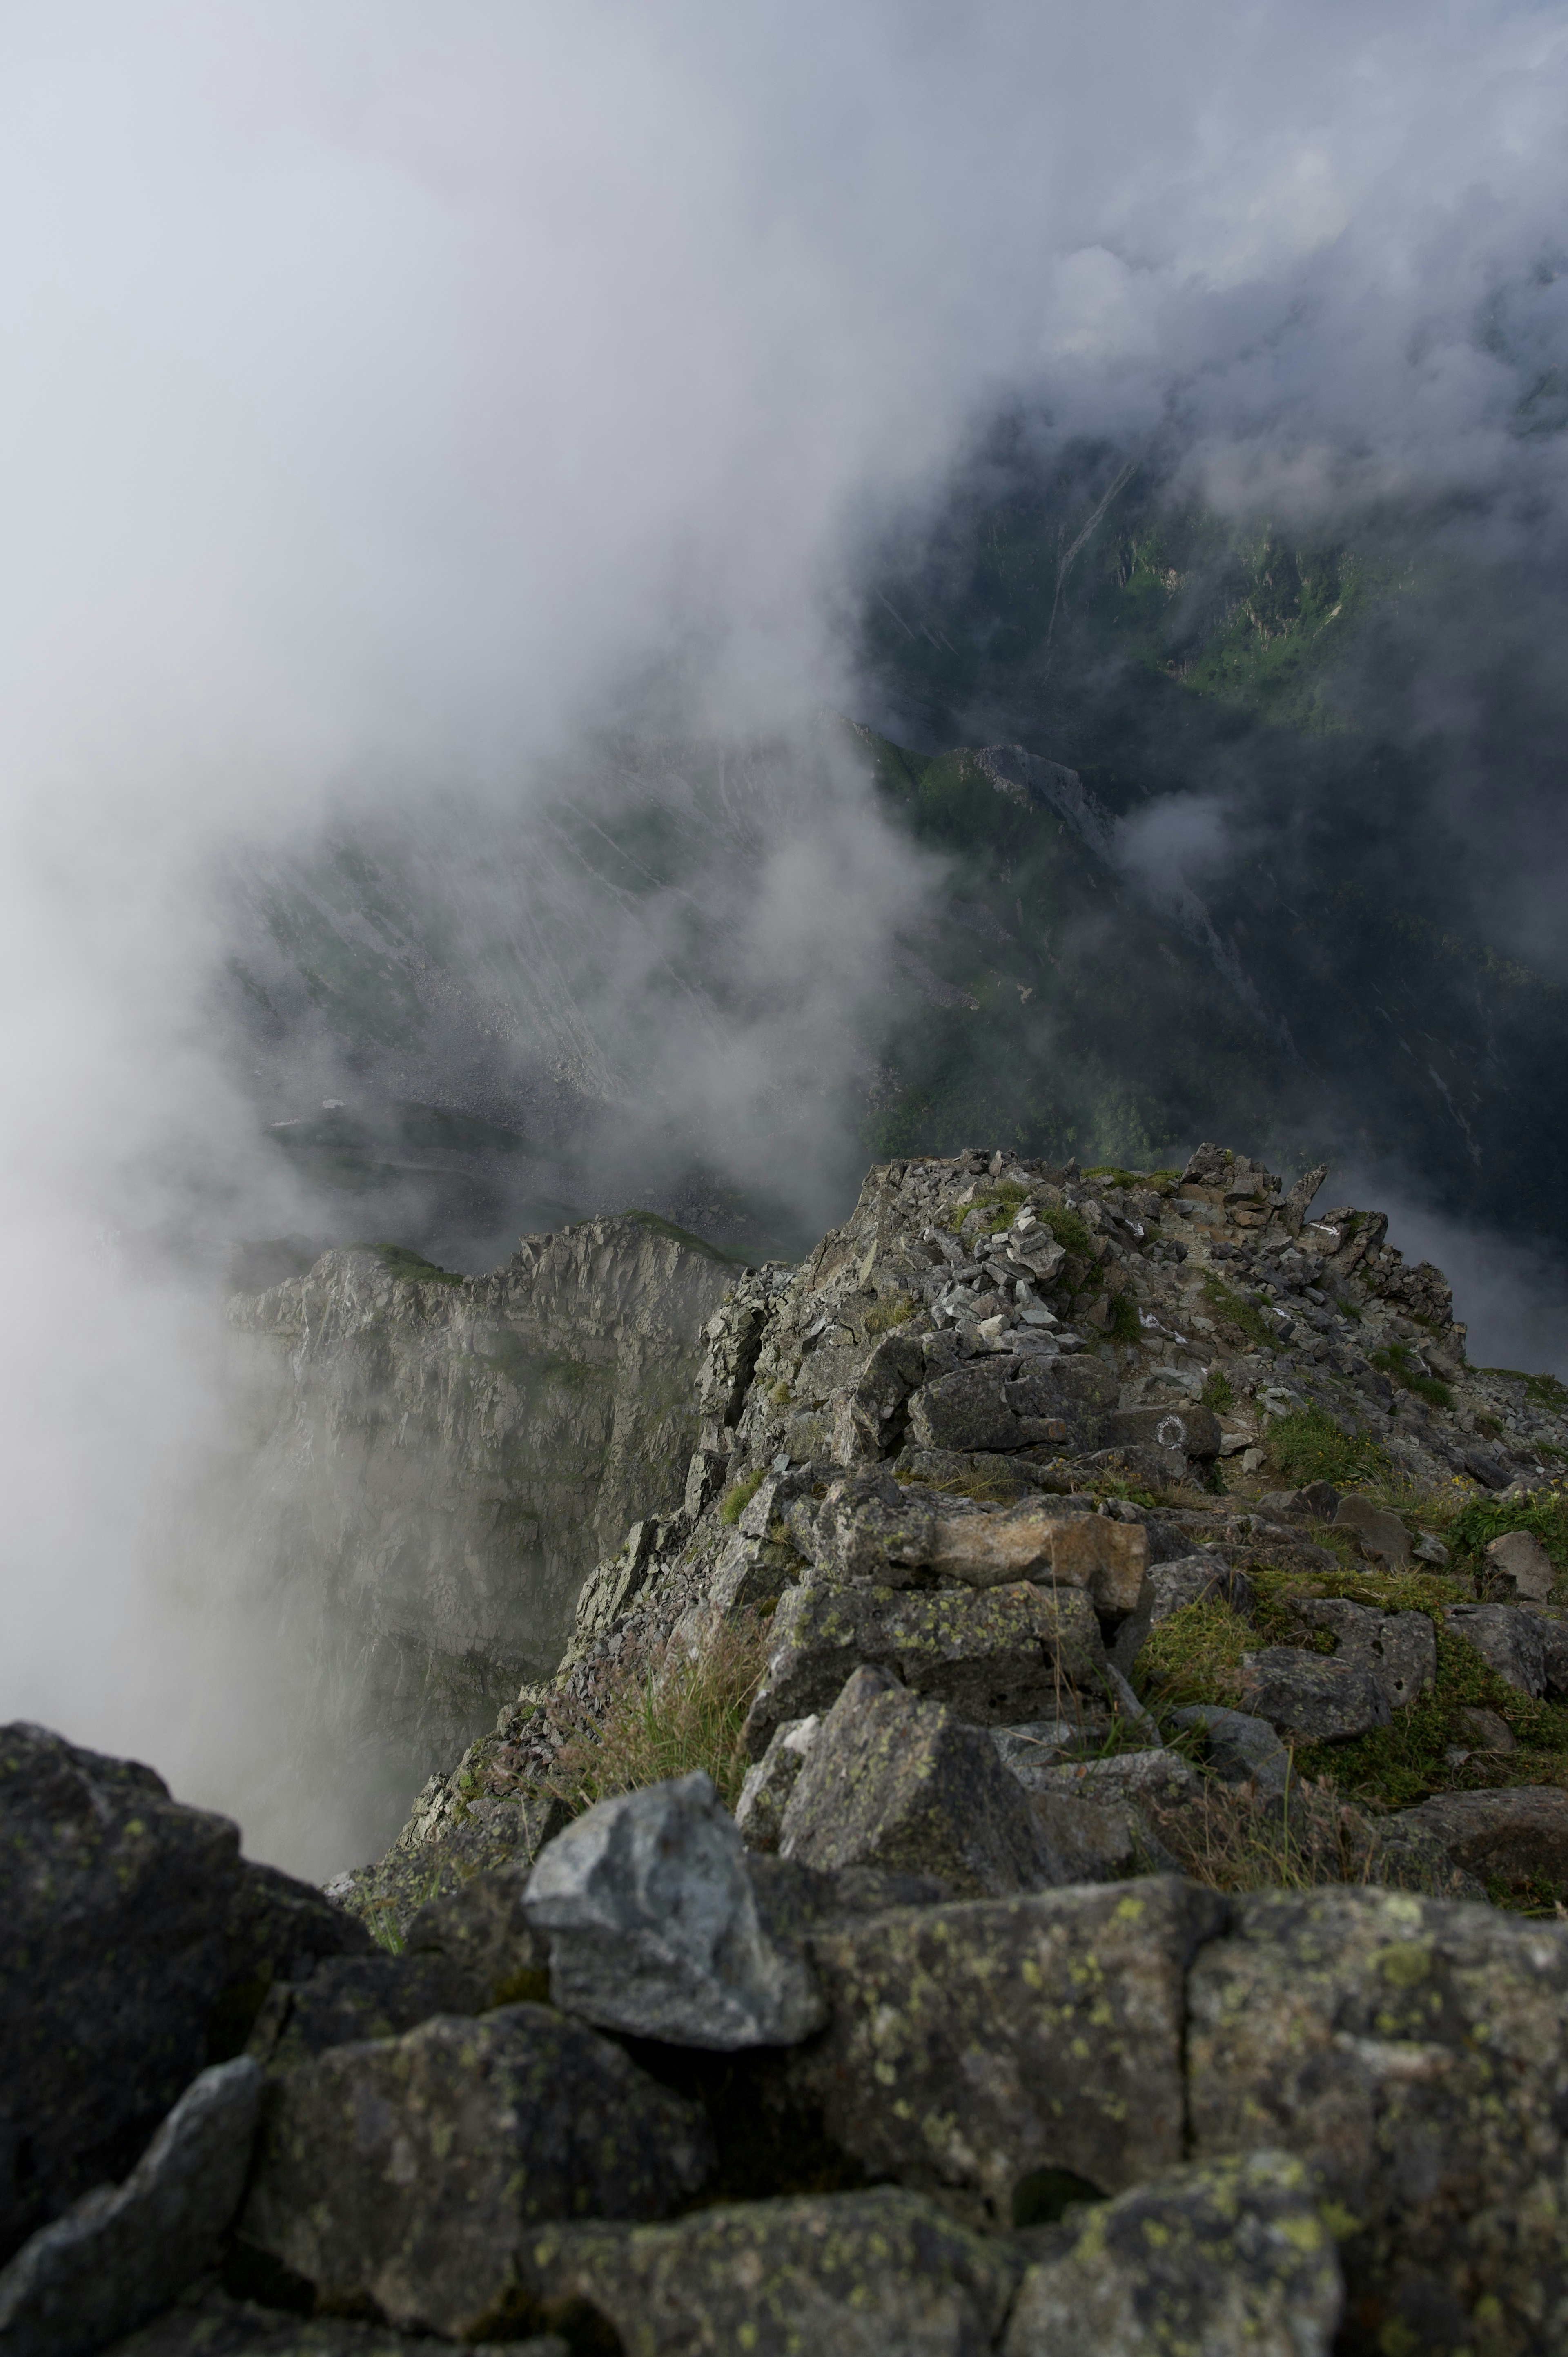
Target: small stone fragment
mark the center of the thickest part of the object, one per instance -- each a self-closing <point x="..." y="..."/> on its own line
<point x="1230" y="2258"/>
<point x="1380" y="1534"/>
<point x="1519" y="1561"/>
<point x="1310" y="1698"/>
<point x="653" y="1925"/>
<point x="409" y="2173"/>
<point x="765" y="1795"/>
<point x="123" y="2252"/>
<point x="1241" y="1749"/>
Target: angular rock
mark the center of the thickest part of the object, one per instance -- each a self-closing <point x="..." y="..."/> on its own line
<point x="1000" y="1656"/>
<point x="114" y="1901"/>
<point x="1487" y="1729"/>
<point x="1378" y="1533"/>
<point x="1241" y="1749"/>
<point x="409" y="2173"/>
<point x="1170" y="1586"/>
<point x="122" y="2252"/>
<point x="751" y="1572"/>
<point x="765" y="1795"/>
<point x="866" y="1528"/>
<point x="483" y="1930"/>
<point x="1520" y="1836"/>
<point x="1161" y="1776"/>
<point x="1105" y="1557"/>
<point x="1508" y="1638"/>
<point x="842" y="2275"/>
<point x="1400" y="1649"/>
<point x="1519" y="1560"/>
<point x="1194" y="1431"/>
<point x="1230" y="2258"/>
<point x="1096" y="1838"/>
<point x="969" y="2047"/>
<point x="1318" y="1501"/>
<point x="350" y="1998"/>
<point x="653" y="1925"/>
<point x="1003" y="1404"/>
<point x="1310" y="1697"/>
<point x="1413" y="2053"/>
<point x="901" y="1785"/>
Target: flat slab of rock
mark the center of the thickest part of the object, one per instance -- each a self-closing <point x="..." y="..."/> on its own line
<point x="1241" y="1749"/>
<point x="1520" y="1559"/>
<point x="1006" y="1403"/>
<point x="1232" y="2258"/>
<point x="350" y="1998"/>
<point x="764" y="1794"/>
<point x="1400" y="1649"/>
<point x="114" y="1901"/>
<point x="1312" y="1698"/>
<point x="653" y="1925"/>
<point x="122" y="2252"/>
<point x="409" y="2171"/>
<point x="902" y="1784"/>
<point x="1000" y="1656"/>
<point x="1520" y="1835"/>
<point x="1415" y="2051"/>
<point x="1194" y="1431"/>
<point x="1380" y="1534"/>
<point x="969" y="2048"/>
<point x="841" y="2274"/>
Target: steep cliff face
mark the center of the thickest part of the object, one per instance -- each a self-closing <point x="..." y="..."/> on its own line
<point x="439" y="1461"/>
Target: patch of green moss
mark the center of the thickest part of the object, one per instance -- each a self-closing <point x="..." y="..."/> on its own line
<point x="1544" y="1515"/>
<point x="1194" y="1656"/>
<point x="1069" y="1230"/>
<point x="1398" y="1362"/>
<point x="1216" y="1393"/>
<point x="739" y="1495"/>
<point x="1162" y="1181"/>
<point x="1308" y="1446"/>
<point x="782" y="1395"/>
<point x="1240" y="1314"/>
<point x="411" y="1267"/>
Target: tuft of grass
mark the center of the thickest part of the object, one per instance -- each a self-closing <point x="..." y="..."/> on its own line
<point x="1226" y="1838"/>
<point x="1195" y="1656"/>
<point x="411" y="1267"/>
<point x="1240" y="1314"/>
<point x="1308" y="1446"/>
<point x="782" y="1395"/>
<point x="739" y="1495"/>
<point x="666" y="1713"/>
<point x="1544" y="1390"/>
<point x="1123" y="1327"/>
<point x="893" y="1309"/>
<point x="1398" y="1362"/>
<point x="1216" y="1393"/>
<point x="1544" y="1514"/>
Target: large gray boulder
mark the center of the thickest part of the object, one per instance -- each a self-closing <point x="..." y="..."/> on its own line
<point x="409" y="2173"/>
<point x="846" y="2275"/>
<point x="653" y="1924"/>
<point x="1519" y="1564"/>
<point x="122" y="2252"/>
<point x="1008" y="1403"/>
<point x="970" y="2048"/>
<point x="1414" y="2053"/>
<point x="1230" y="2258"/>
<point x="894" y="1782"/>
<point x="114" y="1901"/>
<point x="1000" y="1656"/>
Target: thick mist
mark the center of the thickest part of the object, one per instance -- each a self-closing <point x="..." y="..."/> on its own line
<point x="404" y="405"/>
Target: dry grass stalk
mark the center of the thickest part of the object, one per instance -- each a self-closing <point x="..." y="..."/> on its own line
<point x="665" y="1712"/>
<point x="1227" y="1837"/>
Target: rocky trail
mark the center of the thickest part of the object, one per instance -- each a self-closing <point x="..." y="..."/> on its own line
<point x="1054" y="1843"/>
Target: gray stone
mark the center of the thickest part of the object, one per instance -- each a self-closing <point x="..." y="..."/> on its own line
<point x="901" y="1785"/>
<point x="1508" y="1638"/>
<point x="1380" y="1534"/>
<point x="1005" y="1404"/>
<point x="483" y="1930"/>
<point x="653" y="1925"/>
<point x="1194" y="1431"/>
<point x="1522" y="1563"/>
<point x="970" y="2047"/>
<point x="409" y="2173"/>
<point x="1096" y="1838"/>
<point x="1312" y="1698"/>
<point x="1229" y="2257"/>
<point x="1414" y="2053"/>
<point x="764" y="1794"/>
<point x="1400" y="1649"/>
<point x="115" y="1904"/>
<point x="1486" y="1729"/>
<point x="1161" y="1776"/>
<point x="349" y="1997"/>
<point x="1429" y="1548"/>
<point x="844" y="2274"/>
<point x="1318" y="1501"/>
<point x="865" y="1528"/>
<point x="1520" y="1836"/>
<point x="122" y="2252"/>
<point x="999" y="1656"/>
<point x="1170" y="1586"/>
<point x="1241" y="1749"/>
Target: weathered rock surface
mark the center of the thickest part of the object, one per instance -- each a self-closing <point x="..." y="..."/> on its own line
<point x="1398" y="1649"/>
<point x="439" y="1464"/>
<point x="765" y="1795"/>
<point x="114" y="1901"/>
<point x="122" y="2252"/>
<point x="1000" y="1656"/>
<point x="1518" y="1562"/>
<point x="1508" y="1638"/>
<point x="1231" y="2259"/>
<point x="1241" y="1749"/>
<point x="848" y="2275"/>
<point x="1521" y="1836"/>
<point x="895" y="1783"/>
<point x="351" y="1997"/>
<point x="1378" y="1533"/>
<point x="409" y="2173"/>
<point x="653" y="1925"/>
<point x="969" y="2047"/>
<point x="1414" y="2053"/>
<point x="211" y="2324"/>
<point x="1311" y="1698"/>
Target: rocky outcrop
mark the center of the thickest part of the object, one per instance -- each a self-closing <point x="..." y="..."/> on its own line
<point x="438" y="1463"/>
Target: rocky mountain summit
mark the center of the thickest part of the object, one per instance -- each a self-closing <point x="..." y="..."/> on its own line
<point x="1053" y="1843"/>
